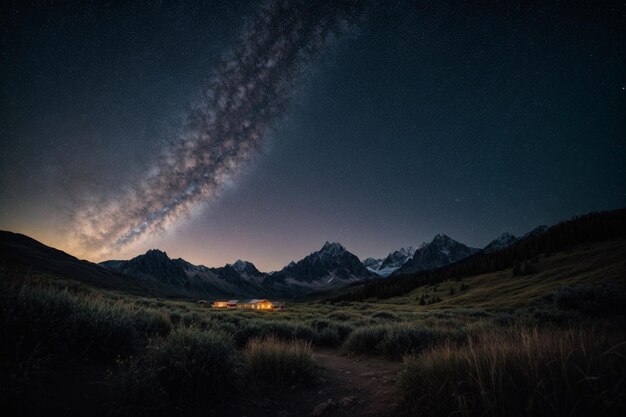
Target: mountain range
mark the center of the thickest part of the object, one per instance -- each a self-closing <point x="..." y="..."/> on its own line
<point x="331" y="267"/>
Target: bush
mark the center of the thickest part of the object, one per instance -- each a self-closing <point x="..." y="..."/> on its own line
<point x="400" y="341"/>
<point x="395" y="341"/>
<point x="152" y="321"/>
<point x="365" y="339"/>
<point x="592" y="299"/>
<point x="524" y="373"/>
<point x="261" y="329"/>
<point x="272" y="361"/>
<point x="63" y="326"/>
<point x="188" y="365"/>
<point x="329" y="332"/>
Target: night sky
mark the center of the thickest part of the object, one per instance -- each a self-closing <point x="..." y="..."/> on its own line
<point x="405" y="120"/>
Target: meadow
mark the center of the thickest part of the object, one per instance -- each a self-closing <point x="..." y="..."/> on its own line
<point x="560" y="353"/>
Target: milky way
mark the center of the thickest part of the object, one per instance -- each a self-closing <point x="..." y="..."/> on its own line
<point x="247" y="93"/>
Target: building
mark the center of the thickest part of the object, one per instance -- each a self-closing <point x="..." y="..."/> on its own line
<point x="225" y="304"/>
<point x="255" y="304"/>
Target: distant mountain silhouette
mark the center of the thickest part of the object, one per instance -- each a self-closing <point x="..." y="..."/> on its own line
<point x="441" y="251"/>
<point x="330" y="267"/>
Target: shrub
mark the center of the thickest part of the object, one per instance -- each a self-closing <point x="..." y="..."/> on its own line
<point x="329" y="332"/>
<point x="395" y="341"/>
<point x="152" y="321"/>
<point x="282" y="330"/>
<point x="524" y="373"/>
<point x="592" y="299"/>
<point x="63" y="325"/>
<point x="188" y="365"/>
<point x="272" y="361"/>
<point x="400" y="341"/>
<point x="365" y="339"/>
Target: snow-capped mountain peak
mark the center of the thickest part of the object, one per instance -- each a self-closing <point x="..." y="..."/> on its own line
<point x="372" y="264"/>
<point x="391" y="262"/>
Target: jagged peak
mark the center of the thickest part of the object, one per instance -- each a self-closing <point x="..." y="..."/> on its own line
<point x="370" y="259"/>
<point x="242" y="266"/>
<point x="442" y="238"/>
<point x="155" y="254"/>
<point x="332" y="248"/>
<point x="408" y="250"/>
<point x="328" y="244"/>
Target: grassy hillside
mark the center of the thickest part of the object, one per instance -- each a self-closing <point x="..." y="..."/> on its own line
<point x="569" y="235"/>
<point x="602" y="262"/>
<point x="80" y="349"/>
<point x="24" y="257"/>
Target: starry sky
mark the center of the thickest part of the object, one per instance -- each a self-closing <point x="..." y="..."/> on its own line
<point x="413" y="118"/>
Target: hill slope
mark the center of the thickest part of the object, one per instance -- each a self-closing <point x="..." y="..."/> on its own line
<point x="583" y="230"/>
<point x="589" y="264"/>
<point x="21" y="254"/>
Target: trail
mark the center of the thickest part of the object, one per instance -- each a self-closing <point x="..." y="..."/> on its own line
<point x="345" y="386"/>
<point x="358" y="385"/>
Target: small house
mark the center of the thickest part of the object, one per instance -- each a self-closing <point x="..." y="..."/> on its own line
<point x="225" y="304"/>
<point x="257" y="304"/>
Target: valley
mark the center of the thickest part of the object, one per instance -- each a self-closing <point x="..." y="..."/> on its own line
<point x="140" y="348"/>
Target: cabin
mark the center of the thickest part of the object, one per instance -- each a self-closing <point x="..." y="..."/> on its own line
<point x="255" y="304"/>
<point x="225" y="304"/>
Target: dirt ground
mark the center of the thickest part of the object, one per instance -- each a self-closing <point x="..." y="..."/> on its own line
<point x="346" y="386"/>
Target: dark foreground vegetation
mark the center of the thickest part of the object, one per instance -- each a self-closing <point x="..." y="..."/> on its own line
<point x="563" y="357"/>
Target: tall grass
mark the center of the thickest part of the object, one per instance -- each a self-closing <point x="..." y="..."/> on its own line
<point x="187" y="366"/>
<point x="535" y="372"/>
<point x="64" y="325"/>
<point x="271" y="361"/>
<point x="398" y="340"/>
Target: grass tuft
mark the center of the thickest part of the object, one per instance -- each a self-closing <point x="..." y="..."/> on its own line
<point x="272" y="361"/>
<point x="519" y="373"/>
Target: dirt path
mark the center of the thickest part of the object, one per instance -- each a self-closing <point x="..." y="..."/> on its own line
<point x="358" y="385"/>
<point x="346" y="386"/>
